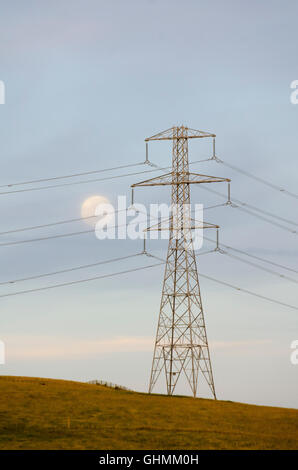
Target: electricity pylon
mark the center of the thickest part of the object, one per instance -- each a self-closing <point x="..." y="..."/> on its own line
<point x="181" y="341"/>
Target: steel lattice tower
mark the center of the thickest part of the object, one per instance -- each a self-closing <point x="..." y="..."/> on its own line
<point x="181" y="344"/>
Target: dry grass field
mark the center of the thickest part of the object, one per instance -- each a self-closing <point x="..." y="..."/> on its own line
<point x="54" y="414"/>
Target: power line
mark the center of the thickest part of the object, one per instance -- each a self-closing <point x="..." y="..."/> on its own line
<point x="82" y="266"/>
<point x="78" y="219"/>
<point x="259" y="258"/>
<point x="69" y="234"/>
<point x="73" y="175"/>
<point x="234" y="203"/>
<point x="249" y="254"/>
<point x="243" y="209"/>
<point x="257" y="178"/>
<point x="211" y="207"/>
<point x="262" y="211"/>
<point x="269" y="299"/>
<point x="117" y="225"/>
<point x="62" y="235"/>
<point x="70" y="283"/>
<point x="74" y="183"/>
<point x="254" y="208"/>
<point x="60" y="222"/>
<point x="118" y="259"/>
<point x="255" y="265"/>
<point x="109" y="178"/>
<point x="74" y="268"/>
<point x="52" y="224"/>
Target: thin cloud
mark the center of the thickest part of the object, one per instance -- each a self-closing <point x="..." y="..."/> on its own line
<point x="46" y="347"/>
<point x="24" y="347"/>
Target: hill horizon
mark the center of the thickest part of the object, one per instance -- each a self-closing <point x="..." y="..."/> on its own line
<point x="39" y="413"/>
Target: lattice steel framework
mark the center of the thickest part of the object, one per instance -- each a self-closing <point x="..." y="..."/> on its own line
<point x="181" y="344"/>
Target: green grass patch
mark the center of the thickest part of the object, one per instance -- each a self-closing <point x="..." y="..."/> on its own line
<point x="40" y="413"/>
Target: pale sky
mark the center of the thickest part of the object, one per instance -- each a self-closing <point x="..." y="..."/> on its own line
<point x="86" y="81"/>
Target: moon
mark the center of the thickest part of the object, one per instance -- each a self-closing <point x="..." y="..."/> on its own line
<point x="88" y="208"/>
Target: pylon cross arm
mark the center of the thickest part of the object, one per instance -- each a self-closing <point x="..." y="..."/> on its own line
<point x="174" y="178"/>
<point x="172" y="134"/>
<point x="194" y="224"/>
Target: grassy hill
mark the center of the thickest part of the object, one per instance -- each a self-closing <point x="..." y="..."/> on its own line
<point x="54" y="414"/>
